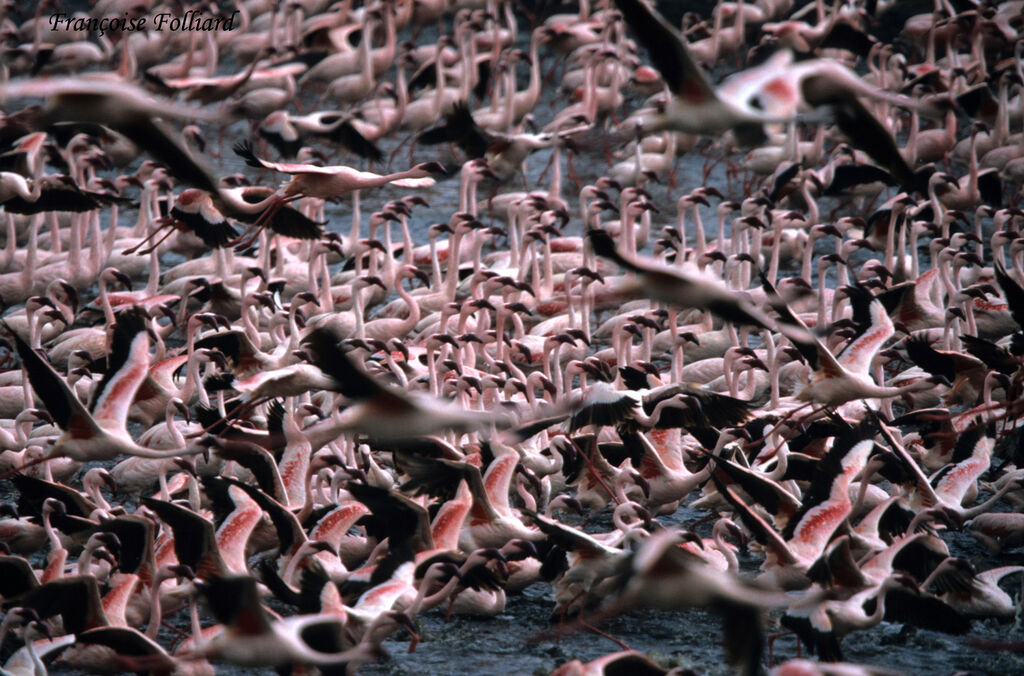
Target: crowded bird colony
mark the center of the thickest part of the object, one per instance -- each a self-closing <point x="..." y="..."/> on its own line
<point x="667" y="337"/>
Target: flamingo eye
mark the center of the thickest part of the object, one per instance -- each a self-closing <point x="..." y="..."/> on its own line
<point x="755" y="102"/>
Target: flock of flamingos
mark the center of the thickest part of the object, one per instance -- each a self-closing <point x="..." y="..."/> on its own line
<point x="239" y="428"/>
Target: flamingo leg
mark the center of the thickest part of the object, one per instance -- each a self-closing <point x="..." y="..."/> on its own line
<point x="233" y="415"/>
<point x="543" y="174"/>
<point x="451" y="604"/>
<point x="771" y="646"/>
<point x="246" y="239"/>
<point x="590" y="627"/>
<point x="1018" y="610"/>
<point x="179" y="633"/>
<point x="32" y="463"/>
<point x="774" y="428"/>
<point x="148" y="250"/>
<point x="161" y="224"/>
<point x="414" y="636"/>
<point x="394" y="153"/>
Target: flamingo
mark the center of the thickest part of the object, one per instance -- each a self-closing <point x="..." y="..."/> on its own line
<point x="670" y="285"/>
<point x="830" y="621"/>
<point x="313" y="181"/>
<point x="99" y="434"/>
<point x="252" y="638"/>
<point x="769" y="93"/>
<point x="666" y="576"/>
<point x="362" y="500"/>
<point x="384" y="412"/>
<point x="124" y="108"/>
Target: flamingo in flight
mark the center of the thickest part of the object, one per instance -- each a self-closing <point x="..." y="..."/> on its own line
<point x="770" y="93"/>
<point x="310" y="180"/>
<point x="100" y="432"/>
<point x="124" y="108"/>
<point x="845" y="378"/>
<point x="670" y="285"/>
<point x="382" y="412"/>
<point x="252" y="637"/>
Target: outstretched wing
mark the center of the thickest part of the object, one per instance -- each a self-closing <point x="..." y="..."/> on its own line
<point x="64" y="407"/>
<point x="668" y="52"/>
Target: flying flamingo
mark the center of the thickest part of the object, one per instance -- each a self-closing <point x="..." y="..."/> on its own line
<point x="384" y="412"/>
<point x="124" y="108"/>
<point x="846" y="378"/>
<point x="676" y="287"/>
<point x="769" y="93"/>
<point x="99" y="434"/>
<point x="313" y="181"/>
<point x="252" y="637"/>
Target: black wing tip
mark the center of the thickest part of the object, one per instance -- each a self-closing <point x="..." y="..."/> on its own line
<point x="245" y="150"/>
<point x="602" y="243"/>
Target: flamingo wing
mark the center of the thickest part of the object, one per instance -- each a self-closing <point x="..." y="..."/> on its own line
<point x="911" y="606"/>
<point x="290" y="533"/>
<point x="257" y="460"/>
<point x="661" y="282"/>
<point x="136" y="534"/>
<point x="244" y="150"/>
<point x="233" y="344"/>
<point x="875" y="328"/>
<point x="34" y="493"/>
<point x="826" y="503"/>
<point x="235" y="602"/>
<point x="460" y="128"/>
<point x="761" y="531"/>
<point x="287" y="220"/>
<point x="147" y="133"/>
<point x="837" y="567"/>
<point x="1013" y="292"/>
<point x="669" y="52"/>
<point x="911" y="468"/>
<point x="75" y="598"/>
<point x="293" y="223"/>
<point x="440" y="477"/>
<point x="101" y="97"/>
<point x="851" y="175"/>
<point x="64" y="407"/>
<point x="861" y="127"/>
<point x="498" y="480"/>
<point x="815" y="630"/>
<point x="394" y="516"/>
<point x="931" y="360"/>
<point x="353" y="382"/>
<point x="810" y="348"/>
<point x="16" y="575"/>
<point x="603" y="405"/>
<point x="779" y="502"/>
<point x="127" y="368"/>
<point x="57" y="192"/>
<point x="345" y="133"/>
<point x="195" y="538"/>
<point x="993" y="356"/>
<point x="208" y="225"/>
<point x="571" y="539"/>
<point x="126" y="641"/>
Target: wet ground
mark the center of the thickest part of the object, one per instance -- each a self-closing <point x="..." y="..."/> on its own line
<point x="522" y="641"/>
